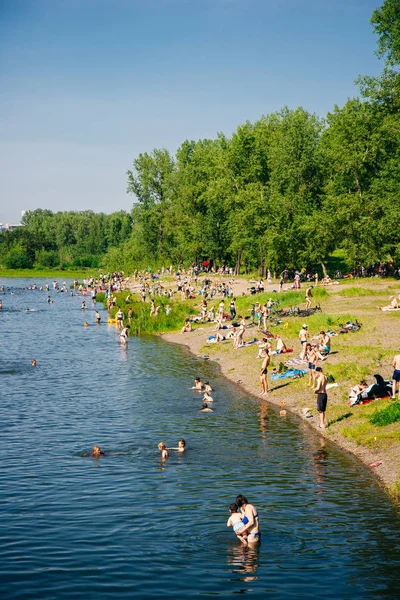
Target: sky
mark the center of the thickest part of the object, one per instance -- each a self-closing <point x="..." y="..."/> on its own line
<point x="87" y="85"/>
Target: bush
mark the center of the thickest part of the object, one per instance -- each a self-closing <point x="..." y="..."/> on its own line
<point x="388" y="415"/>
<point x="92" y="262"/>
<point x="47" y="258"/>
<point x="18" y="258"/>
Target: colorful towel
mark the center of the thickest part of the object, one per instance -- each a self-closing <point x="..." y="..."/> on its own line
<point x="289" y="373"/>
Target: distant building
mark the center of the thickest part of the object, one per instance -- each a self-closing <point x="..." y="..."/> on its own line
<point x="9" y="226"/>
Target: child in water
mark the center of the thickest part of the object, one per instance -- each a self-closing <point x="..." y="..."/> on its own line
<point x="235" y="521"/>
<point x="181" y="446"/>
<point x="207" y="397"/>
<point x="164" y="451"/>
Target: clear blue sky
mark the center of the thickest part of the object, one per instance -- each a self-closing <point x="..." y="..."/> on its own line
<point x="86" y="85"/>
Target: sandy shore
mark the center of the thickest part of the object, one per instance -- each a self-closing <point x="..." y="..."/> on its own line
<point x="242" y="368"/>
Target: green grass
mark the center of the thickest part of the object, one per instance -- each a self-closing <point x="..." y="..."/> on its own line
<point x="352" y="292"/>
<point x="390" y="414"/>
<point x="285" y="299"/>
<point x="142" y="323"/>
<point x="44" y="273"/>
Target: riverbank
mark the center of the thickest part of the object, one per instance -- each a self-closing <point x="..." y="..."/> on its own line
<point x="354" y="356"/>
<point x="36" y="274"/>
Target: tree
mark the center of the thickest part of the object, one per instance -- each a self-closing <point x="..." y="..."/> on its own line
<point x="386" y="21"/>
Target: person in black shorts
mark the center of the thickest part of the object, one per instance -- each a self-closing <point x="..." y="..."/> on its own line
<point x="322" y="396"/>
<point x="263" y="375"/>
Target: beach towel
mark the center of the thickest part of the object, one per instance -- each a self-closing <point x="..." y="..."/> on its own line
<point x="295" y="373"/>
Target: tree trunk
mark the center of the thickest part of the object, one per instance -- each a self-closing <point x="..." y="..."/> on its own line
<point x="237" y="266"/>
<point x="325" y="272"/>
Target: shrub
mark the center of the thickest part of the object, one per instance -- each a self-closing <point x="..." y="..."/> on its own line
<point x="47" y="258"/>
<point x="18" y="258"/>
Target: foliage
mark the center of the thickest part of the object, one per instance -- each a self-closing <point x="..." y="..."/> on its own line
<point x="67" y="239"/>
<point x="18" y="258"/>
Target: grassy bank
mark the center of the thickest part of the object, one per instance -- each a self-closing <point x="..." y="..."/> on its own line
<point x="44" y="273"/>
<point x="141" y="321"/>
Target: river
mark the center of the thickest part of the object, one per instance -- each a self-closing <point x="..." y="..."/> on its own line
<point x="129" y="525"/>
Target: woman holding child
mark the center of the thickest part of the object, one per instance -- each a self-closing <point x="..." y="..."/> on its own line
<point x="249" y="518"/>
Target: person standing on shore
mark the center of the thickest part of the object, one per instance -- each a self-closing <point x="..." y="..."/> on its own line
<point x="308" y="297"/>
<point x="396" y="375"/>
<point x="322" y="396"/>
<point x="263" y="375"/>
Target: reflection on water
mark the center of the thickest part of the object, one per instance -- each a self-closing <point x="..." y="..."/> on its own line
<point x="243" y="561"/>
<point x="128" y="524"/>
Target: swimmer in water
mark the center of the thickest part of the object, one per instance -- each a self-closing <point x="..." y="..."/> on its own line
<point x="181" y="446"/>
<point x="33" y="362"/>
<point x="98" y="318"/>
<point x="96" y="451"/>
<point x="83" y="306"/>
<point x="235" y="521"/>
<point x="205" y="408"/>
<point x="207" y="397"/>
<point x="164" y="451"/>
<point x="123" y="336"/>
<point x="207" y="387"/>
<point x="198" y="386"/>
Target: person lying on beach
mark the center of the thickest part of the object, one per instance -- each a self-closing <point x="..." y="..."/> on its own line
<point x="181" y="446"/>
<point x="205" y="408"/>
<point x="394" y="305"/>
<point x="357" y="389"/>
<point x="198" y="384"/>
<point x="164" y="451"/>
<point x="235" y="521"/>
<point x="207" y="397"/>
<point x="187" y="327"/>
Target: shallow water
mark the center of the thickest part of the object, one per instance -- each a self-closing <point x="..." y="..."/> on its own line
<point x="127" y="525"/>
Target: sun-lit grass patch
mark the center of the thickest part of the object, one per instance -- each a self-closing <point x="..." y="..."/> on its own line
<point x="386" y="416"/>
<point x="371" y="436"/>
<point x="352" y="292"/>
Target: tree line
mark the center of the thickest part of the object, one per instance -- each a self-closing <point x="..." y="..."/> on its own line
<point x="285" y="191"/>
<point x="66" y="239"/>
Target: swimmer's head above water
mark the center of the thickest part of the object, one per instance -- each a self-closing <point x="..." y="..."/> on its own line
<point x="96" y="451"/>
<point x="33" y="362"/>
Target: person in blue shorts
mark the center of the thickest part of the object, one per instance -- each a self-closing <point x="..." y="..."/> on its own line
<point x="396" y="375"/>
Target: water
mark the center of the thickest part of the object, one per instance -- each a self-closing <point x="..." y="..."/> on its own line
<point x="128" y="525"/>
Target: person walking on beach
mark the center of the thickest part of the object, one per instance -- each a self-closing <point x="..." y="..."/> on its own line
<point x="308" y="297"/>
<point x="396" y="375"/>
<point x="322" y="396"/>
<point x="263" y="375"/>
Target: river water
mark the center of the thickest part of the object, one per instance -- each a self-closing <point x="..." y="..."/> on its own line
<point x="129" y="526"/>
